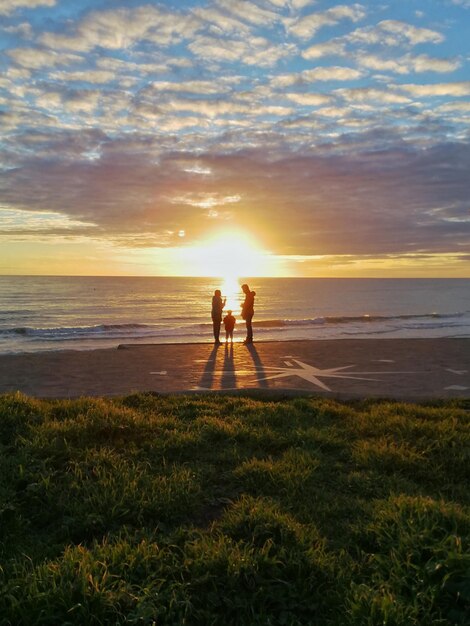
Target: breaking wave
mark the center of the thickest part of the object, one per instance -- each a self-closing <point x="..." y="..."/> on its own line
<point x="364" y="323"/>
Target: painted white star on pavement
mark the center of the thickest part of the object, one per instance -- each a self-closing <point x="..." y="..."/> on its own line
<point x="312" y="373"/>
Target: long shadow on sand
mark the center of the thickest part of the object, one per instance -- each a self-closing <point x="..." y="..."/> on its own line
<point x="259" y="367"/>
<point x="229" y="376"/>
<point x="207" y="378"/>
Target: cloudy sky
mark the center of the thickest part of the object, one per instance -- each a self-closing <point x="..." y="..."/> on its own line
<point x="335" y="136"/>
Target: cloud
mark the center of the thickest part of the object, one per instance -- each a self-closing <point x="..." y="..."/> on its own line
<point x="403" y="202"/>
<point x="256" y="51"/>
<point x="248" y="11"/>
<point x="205" y="200"/>
<point x="300" y="4"/>
<point x="33" y="58"/>
<point x="388" y="33"/>
<point x="281" y="4"/>
<point x="306" y="27"/>
<point x="456" y="89"/>
<point x="160" y="65"/>
<point x="26" y="222"/>
<point x="317" y="74"/>
<point x="117" y="29"/>
<point x="81" y="101"/>
<point x="49" y="100"/>
<point x="415" y="35"/>
<point x="209" y="108"/>
<point x="219" y="22"/>
<point x="394" y="33"/>
<point x="328" y="48"/>
<point x="174" y="124"/>
<point x="61" y="97"/>
<point x="371" y="94"/>
<point x="207" y="87"/>
<point x="331" y="73"/>
<point x="308" y="99"/>
<point x="335" y="111"/>
<point x="23" y="30"/>
<point x="308" y="122"/>
<point x="17" y="73"/>
<point x="408" y="64"/>
<point x="88" y="76"/>
<point x="464" y="107"/>
<point x="10" y="6"/>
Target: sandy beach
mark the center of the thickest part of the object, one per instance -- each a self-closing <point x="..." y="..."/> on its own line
<point x="406" y="369"/>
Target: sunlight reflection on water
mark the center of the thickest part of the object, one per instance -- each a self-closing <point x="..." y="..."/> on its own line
<point x="232" y="292"/>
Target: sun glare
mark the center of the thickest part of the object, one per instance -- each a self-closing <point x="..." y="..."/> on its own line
<point x="228" y="256"/>
<point x="231" y="292"/>
<point x="231" y="255"/>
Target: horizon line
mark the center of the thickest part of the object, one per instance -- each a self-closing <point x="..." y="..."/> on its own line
<point x="238" y="277"/>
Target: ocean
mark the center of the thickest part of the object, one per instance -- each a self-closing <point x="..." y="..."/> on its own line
<point x="82" y="313"/>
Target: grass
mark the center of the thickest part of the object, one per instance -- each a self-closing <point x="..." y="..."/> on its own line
<point x="208" y="510"/>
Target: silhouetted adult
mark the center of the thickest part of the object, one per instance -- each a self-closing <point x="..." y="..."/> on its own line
<point x="217" y="306"/>
<point x="248" y="311"/>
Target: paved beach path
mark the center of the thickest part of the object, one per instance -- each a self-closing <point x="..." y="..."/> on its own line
<point x="392" y="368"/>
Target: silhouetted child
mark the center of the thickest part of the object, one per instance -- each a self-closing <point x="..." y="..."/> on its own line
<point x="229" y="323"/>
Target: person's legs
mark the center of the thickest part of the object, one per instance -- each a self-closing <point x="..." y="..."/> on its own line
<point x="249" y="330"/>
<point x="216" y="327"/>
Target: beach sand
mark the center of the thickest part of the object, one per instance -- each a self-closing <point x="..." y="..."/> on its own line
<point x="404" y="369"/>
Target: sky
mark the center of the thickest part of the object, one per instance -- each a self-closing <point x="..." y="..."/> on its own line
<point x="283" y="137"/>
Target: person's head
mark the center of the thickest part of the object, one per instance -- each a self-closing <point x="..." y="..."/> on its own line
<point x="245" y="288"/>
<point x="217" y="293"/>
<point x="229" y="312"/>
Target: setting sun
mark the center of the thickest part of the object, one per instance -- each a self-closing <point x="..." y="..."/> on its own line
<point x="233" y="254"/>
<point x="227" y="255"/>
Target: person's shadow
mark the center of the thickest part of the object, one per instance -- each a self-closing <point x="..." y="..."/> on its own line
<point x="260" y="372"/>
<point x="207" y="378"/>
<point x="229" y="376"/>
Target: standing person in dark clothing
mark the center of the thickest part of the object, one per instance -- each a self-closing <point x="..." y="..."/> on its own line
<point x="248" y="311"/>
<point x="217" y="306"/>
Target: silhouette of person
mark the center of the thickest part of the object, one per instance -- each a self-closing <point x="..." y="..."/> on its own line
<point x="217" y="306"/>
<point x="229" y="323"/>
<point x="248" y="311"/>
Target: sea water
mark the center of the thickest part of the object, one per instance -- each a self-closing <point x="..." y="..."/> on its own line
<point x="81" y="313"/>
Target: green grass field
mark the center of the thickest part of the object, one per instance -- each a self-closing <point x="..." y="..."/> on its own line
<point x="220" y="510"/>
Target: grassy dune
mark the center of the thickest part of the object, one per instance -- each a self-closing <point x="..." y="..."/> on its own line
<point x="219" y="510"/>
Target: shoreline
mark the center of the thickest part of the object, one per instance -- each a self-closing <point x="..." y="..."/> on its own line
<point x="238" y="341"/>
<point x="402" y="369"/>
